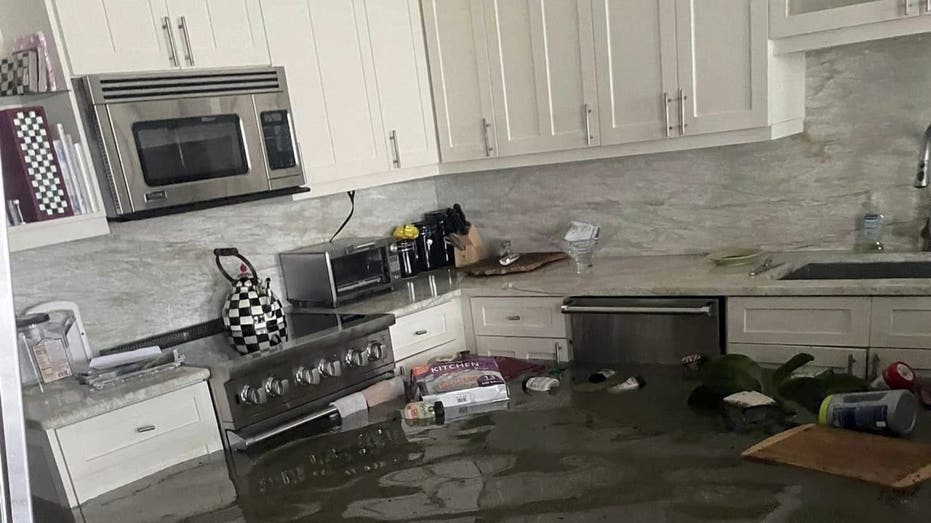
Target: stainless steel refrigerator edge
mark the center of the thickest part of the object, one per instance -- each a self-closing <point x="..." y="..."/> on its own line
<point x="614" y="330"/>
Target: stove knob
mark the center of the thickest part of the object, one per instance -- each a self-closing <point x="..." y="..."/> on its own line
<point x="252" y="396"/>
<point x="376" y="351"/>
<point x="355" y="358"/>
<point x="276" y="386"/>
<point x="330" y="368"/>
<point x="305" y="376"/>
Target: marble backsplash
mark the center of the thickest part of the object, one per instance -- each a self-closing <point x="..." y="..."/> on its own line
<point x="158" y="274"/>
<point x="867" y="109"/>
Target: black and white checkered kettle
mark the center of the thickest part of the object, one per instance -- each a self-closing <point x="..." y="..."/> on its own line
<point x="252" y="314"/>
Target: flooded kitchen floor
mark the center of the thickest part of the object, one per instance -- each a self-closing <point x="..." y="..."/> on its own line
<point x="570" y="456"/>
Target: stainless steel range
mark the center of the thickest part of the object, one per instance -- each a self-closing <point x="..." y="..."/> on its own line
<point x="261" y="397"/>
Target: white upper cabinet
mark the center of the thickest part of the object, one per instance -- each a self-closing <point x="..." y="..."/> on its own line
<point x="722" y="70"/>
<point x="323" y="46"/>
<point x="400" y="59"/>
<point x="635" y="47"/>
<point x="459" y="70"/>
<point x="116" y="35"/>
<point x="109" y="36"/>
<point x="219" y="33"/>
<point x="542" y="74"/>
<point x="795" y="17"/>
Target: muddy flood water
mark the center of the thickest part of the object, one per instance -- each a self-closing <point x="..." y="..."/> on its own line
<point x="569" y="456"/>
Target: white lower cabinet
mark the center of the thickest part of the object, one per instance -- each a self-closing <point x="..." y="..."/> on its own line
<point x="102" y="453"/>
<point x="423" y="335"/>
<point x="917" y="359"/>
<point x="850" y="360"/>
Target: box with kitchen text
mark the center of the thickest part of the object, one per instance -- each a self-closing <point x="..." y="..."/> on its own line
<point x="468" y="382"/>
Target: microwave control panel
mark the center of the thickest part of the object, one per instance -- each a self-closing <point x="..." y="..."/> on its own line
<point x="279" y="143"/>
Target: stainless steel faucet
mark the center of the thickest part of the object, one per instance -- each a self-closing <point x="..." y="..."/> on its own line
<point x="921" y="179"/>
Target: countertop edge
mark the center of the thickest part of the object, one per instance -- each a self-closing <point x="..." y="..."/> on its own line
<point x="119" y="397"/>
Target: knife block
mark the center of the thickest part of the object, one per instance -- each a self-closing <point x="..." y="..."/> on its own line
<point x="475" y="249"/>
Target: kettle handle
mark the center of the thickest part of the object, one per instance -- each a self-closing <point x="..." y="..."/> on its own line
<point x="231" y="251"/>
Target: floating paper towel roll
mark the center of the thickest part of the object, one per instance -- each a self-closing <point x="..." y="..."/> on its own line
<point x="353" y="410"/>
<point x="384" y="391"/>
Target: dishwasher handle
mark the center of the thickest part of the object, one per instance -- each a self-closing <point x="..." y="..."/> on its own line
<point x="704" y="310"/>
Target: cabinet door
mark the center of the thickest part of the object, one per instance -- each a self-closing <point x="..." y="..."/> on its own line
<point x="849" y="360"/>
<point x="722" y="64"/>
<point x="323" y="47"/>
<point x="880" y="358"/>
<point x="826" y="321"/>
<point x="903" y="321"/>
<point x="400" y="58"/>
<point x="108" y="36"/>
<point x="219" y="33"/>
<point x="458" y="57"/>
<point x="795" y="17"/>
<point x="635" y="47"/>
<point x="542" y="74"/>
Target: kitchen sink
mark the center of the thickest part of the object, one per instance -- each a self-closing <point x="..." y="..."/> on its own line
<point x="860" y="271"/>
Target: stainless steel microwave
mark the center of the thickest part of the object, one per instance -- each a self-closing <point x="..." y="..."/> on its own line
<point x="171" y="141"/>
<point x="331" y="274"/>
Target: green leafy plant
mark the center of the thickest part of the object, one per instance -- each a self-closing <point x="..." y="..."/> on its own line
<point x="734" y="373"/>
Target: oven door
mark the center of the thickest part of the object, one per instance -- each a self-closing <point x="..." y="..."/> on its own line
<point x="361" y="273"/>
<point x="181" y="151"/>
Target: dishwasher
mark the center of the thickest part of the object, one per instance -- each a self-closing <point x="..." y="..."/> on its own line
<point x="616" y="330"/>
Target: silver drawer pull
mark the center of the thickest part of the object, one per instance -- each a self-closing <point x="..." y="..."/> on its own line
<point x="514" y="317"/>
<point x="421" y="332"/>
<point x="145" y="428"/>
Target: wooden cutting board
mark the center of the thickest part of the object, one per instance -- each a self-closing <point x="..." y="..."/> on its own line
<point x="527" y="262"/>
<point x="895" y="463"/>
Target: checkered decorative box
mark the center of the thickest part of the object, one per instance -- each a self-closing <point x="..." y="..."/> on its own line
<point x="19" y="73"/>
<point x="31" y="172"/>
<point x="253" y="322"/>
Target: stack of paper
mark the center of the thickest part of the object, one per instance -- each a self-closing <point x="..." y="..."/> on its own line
<point x="74" y="169"/>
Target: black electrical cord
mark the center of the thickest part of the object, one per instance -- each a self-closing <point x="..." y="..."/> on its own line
<point x="352" y="209"/>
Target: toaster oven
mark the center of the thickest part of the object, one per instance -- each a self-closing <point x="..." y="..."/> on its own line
<point x="331" y="274"/>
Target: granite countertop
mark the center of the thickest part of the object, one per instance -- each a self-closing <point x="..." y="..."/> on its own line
<point x="684" y="275"/>
<point x="67" y="402"/>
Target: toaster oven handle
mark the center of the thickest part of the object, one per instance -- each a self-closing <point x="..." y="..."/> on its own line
<point x="361" y="246"/>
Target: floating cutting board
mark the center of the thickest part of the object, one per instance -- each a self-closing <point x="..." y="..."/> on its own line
<point x="895" y="463"/>
<point x="527" y="262"/>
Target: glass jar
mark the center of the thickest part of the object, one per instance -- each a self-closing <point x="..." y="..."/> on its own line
<point x="407" y="256"/>
<point x="43" y="346"/>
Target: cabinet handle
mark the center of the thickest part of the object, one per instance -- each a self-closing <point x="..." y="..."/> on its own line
<point x="927" y="6"/>
<point x="182" y="25"/>
<point x="874" y="368"/>
<point x="145" y="428"/>
<point x="587" y="113"/>
<point x="515" y="317"/>
<point x="421" y="332"/>
<point x="393" y="138"/>
<point x="907" y="10"/>
<point x="666" y="101"/>
<point x="682" y="99"/>
<point x="488" y="148"/>
<point x="172" y="50"/>
<point x="850" y="361"/>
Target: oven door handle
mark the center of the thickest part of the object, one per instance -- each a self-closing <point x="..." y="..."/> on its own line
<point x="579" y="309"/>
<point x="239" y="443"/>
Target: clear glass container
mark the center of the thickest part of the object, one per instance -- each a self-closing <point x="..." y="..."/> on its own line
<point x="43" y="346"/>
